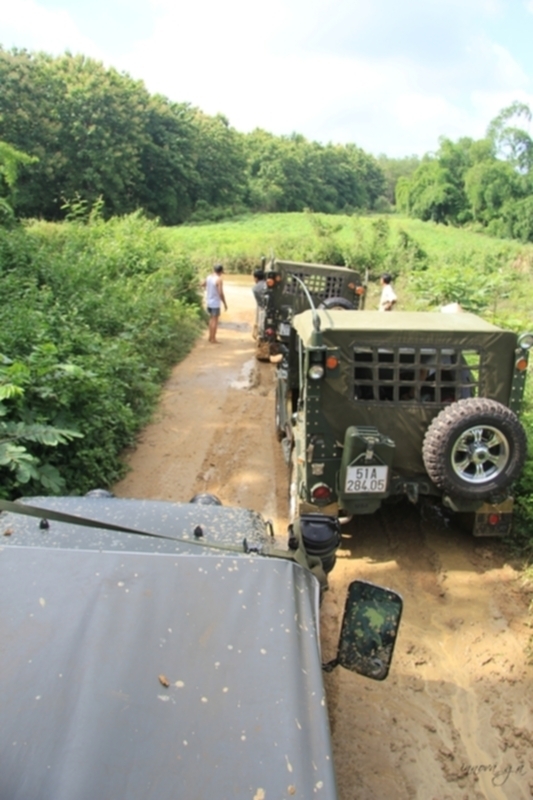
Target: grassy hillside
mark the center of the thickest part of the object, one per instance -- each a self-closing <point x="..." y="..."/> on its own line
<point x="432" y="264"/>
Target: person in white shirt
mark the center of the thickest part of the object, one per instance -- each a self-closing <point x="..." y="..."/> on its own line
<point x="214" y="297"/>
<point x="388" y="295"/>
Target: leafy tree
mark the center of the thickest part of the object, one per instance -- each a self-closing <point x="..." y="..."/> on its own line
<point x="517" y="218"/>
<point x="83" y="122"/>
<point x="488" y="186"/>
<point x="102" y="118"/>
<point x="99" y="134"/>
<point x="395" y="168"/>
<point x="432" y="193"/>
<point x="167" y="161"/>
<point x="10" y="161"/>
<point x="487" y="181"/>
<point x="219" y="160"/>
<point x="277" y="167"/>
<point x="292" y="174"/>
<point x="369" y="173"/>
<point x="513" y="144"/>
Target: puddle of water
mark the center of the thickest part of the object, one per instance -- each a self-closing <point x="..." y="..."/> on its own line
<point x="235" y="326"/>
<point x="246" y="378"/>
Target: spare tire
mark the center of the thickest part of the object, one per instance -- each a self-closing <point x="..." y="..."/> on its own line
<point x="333" y="303"/>
<point x="474" y="448"/>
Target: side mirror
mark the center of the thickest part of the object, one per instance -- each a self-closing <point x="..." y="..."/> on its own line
<point x="369" y="629"/>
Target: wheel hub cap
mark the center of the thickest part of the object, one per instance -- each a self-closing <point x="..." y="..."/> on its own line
<point x="480" y="454"/>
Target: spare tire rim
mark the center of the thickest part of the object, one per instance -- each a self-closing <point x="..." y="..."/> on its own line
<point x="480" y="454"/>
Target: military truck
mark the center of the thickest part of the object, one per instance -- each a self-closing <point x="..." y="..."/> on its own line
<point x="372" y="407"/>
<point x="291" y="287"/>
<point x="155" y="650"/>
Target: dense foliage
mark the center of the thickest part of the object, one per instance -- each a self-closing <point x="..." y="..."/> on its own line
<point x="93" y="315"/>
<point x="488" y="182"/>
<point x="96" y="133"/>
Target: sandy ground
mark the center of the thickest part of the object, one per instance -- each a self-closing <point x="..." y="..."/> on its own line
<point x="454" y="720"/>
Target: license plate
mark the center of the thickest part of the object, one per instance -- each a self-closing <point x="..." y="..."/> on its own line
<point x="365" y="480"/>
<point x="284" y="329"/>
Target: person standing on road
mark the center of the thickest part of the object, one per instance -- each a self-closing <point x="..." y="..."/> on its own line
<point x="214" y="297"/>
<point x="388" y="297"/>
<point x="259" y="287"/>
<point x="259" y="291"/>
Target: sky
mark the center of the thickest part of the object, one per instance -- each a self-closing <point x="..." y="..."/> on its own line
<point x="391" y="76"/>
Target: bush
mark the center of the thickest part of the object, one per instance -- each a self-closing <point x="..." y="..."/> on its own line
<point x="96" y="313"/>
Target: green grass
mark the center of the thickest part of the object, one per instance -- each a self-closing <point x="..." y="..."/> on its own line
<point x="432" y="264"/>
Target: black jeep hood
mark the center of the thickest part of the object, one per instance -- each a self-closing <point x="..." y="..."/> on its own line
<point x="90" y="640"/>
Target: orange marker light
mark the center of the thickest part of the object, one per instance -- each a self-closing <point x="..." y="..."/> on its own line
<point x="521" y="364"/>
<point x="332" y="362"/>
<point x="360" y="290"/>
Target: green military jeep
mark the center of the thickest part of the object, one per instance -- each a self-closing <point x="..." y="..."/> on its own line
<point x="371" y="407"/>
<point x="291" y="287"/>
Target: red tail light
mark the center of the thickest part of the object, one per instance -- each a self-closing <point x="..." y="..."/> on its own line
<point x="321" y="493"/>
<point x="493" y="519"/>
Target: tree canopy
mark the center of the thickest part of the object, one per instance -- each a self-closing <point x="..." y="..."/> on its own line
<point x="488" y="182"/>
<point x="92" y="133"/>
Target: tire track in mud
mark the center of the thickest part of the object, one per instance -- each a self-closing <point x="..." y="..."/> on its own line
<point x="245" y="466"/>
<point x="454" y="718"/>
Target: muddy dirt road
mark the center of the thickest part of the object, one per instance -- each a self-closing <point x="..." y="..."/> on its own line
<point x="454" y="721"/>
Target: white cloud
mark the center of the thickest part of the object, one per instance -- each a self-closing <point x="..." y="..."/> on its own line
<point x="26" y="24"/>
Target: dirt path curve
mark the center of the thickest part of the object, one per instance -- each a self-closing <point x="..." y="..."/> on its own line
<point x="454" y="720"/>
